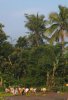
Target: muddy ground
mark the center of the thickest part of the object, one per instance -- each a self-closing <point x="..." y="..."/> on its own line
<point x="50" y="96"/>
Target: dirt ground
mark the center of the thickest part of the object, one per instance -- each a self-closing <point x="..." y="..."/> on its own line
<point x="50" y="96"/>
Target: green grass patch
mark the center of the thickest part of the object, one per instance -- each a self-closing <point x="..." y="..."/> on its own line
<point x="2" y="94"/>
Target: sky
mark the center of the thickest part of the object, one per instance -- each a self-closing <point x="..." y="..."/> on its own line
<point x="12" y="13"/>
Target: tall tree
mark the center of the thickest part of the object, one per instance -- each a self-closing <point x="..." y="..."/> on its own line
<point x="58" y="25"/>
<point x="36" y="25"/>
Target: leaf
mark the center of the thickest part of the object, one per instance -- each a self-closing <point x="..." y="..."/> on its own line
<point x="50" y="29"/>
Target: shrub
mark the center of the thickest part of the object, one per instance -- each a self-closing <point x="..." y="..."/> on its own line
<point x="1" y="89"/>
<point x="64" y="89"/>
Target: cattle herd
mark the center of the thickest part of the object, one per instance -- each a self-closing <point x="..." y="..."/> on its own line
<point x="23" y="90"/>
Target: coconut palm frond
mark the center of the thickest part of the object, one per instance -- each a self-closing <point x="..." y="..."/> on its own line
<point x="54" y="17"/>
<point x="50" y="30"/>
<point x="55" y="37"/>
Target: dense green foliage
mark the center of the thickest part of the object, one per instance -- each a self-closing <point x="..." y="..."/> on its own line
<point x="32" y="61"/>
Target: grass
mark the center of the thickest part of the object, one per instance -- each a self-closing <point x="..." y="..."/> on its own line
<point x="2" y="94"/>
<point x="2" y="98"/>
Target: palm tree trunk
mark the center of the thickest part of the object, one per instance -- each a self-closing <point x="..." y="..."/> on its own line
<point x="36" y="38"/>
<point x="62" y="40"/>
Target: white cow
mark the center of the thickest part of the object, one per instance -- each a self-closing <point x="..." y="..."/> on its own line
<point x="12" y="90"/>
<point x="43" y="90"/>
<point x="26" y="91"/>
<point x="16" y="91"/>
<point x="33" y="90"/>
<point x="7" y="90"/>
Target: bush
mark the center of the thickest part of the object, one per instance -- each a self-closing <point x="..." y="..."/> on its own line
<point x="60" y="88"/>
<point x="64" y="89"/>
<point x="56" y="88"/>
<point x="1" y="89"/>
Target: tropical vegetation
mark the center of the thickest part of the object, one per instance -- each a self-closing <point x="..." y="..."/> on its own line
<point x="41" y="57"/>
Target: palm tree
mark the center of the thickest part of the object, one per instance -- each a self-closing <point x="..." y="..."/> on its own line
<point x="36" y="25"/>
<point x="58" y="25"/>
